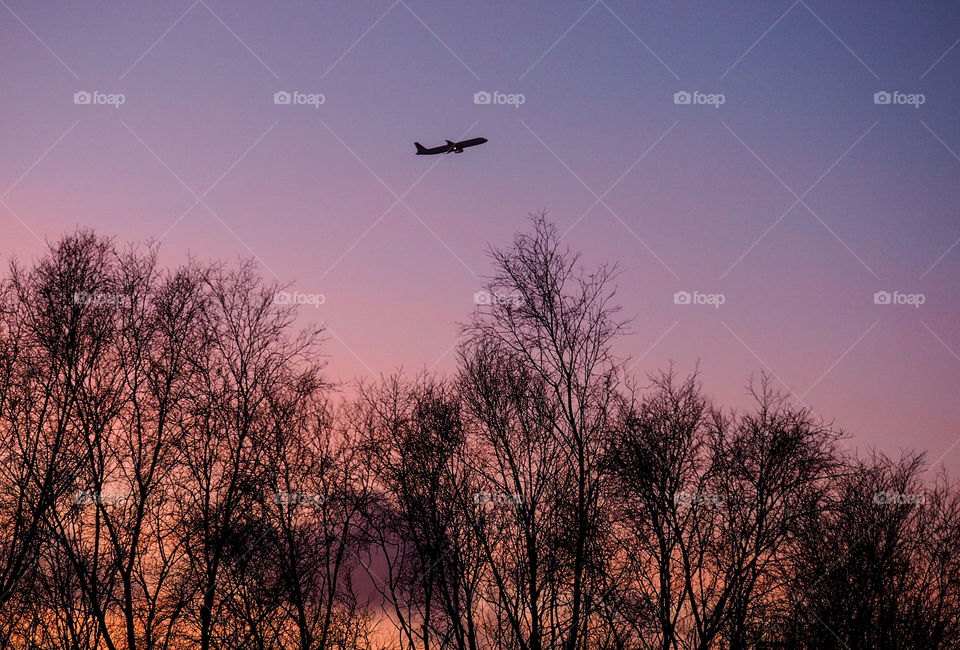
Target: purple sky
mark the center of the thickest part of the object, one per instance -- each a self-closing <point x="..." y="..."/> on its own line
<point x="797" y="199"/>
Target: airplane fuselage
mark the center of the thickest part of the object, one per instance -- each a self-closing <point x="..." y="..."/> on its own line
<point x="450" y="147"/>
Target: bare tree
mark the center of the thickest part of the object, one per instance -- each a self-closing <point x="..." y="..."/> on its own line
<point x="878" y="569"/>
<point x="662" y="462"/>
<point x="774" y="464"/>
<point x="180" y="474"/>
<point x="56" y="343"/>
<point x="414" y="443"/>
<point x="246" y="358"/>
<point x="317" y="476"/>
<point x="539" y="380"/>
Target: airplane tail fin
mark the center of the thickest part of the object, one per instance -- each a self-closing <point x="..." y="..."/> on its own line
<point x="420" y="147"/>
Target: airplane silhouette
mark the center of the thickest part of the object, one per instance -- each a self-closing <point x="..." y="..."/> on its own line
<point x="455" y="147"/>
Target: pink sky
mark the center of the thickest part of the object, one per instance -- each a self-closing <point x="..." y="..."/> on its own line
<point x="797" y="199"/>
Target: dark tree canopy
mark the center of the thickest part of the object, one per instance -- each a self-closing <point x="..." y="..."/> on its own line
<point x="178" y="472"/>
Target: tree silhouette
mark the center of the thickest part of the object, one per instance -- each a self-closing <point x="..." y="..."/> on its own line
<point x="179" y="473"/>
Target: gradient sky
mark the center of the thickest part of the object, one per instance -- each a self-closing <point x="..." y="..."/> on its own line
<point x="797" y="199"/>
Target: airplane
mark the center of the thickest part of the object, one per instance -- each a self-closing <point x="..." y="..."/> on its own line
<point x="455" y="147"/>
